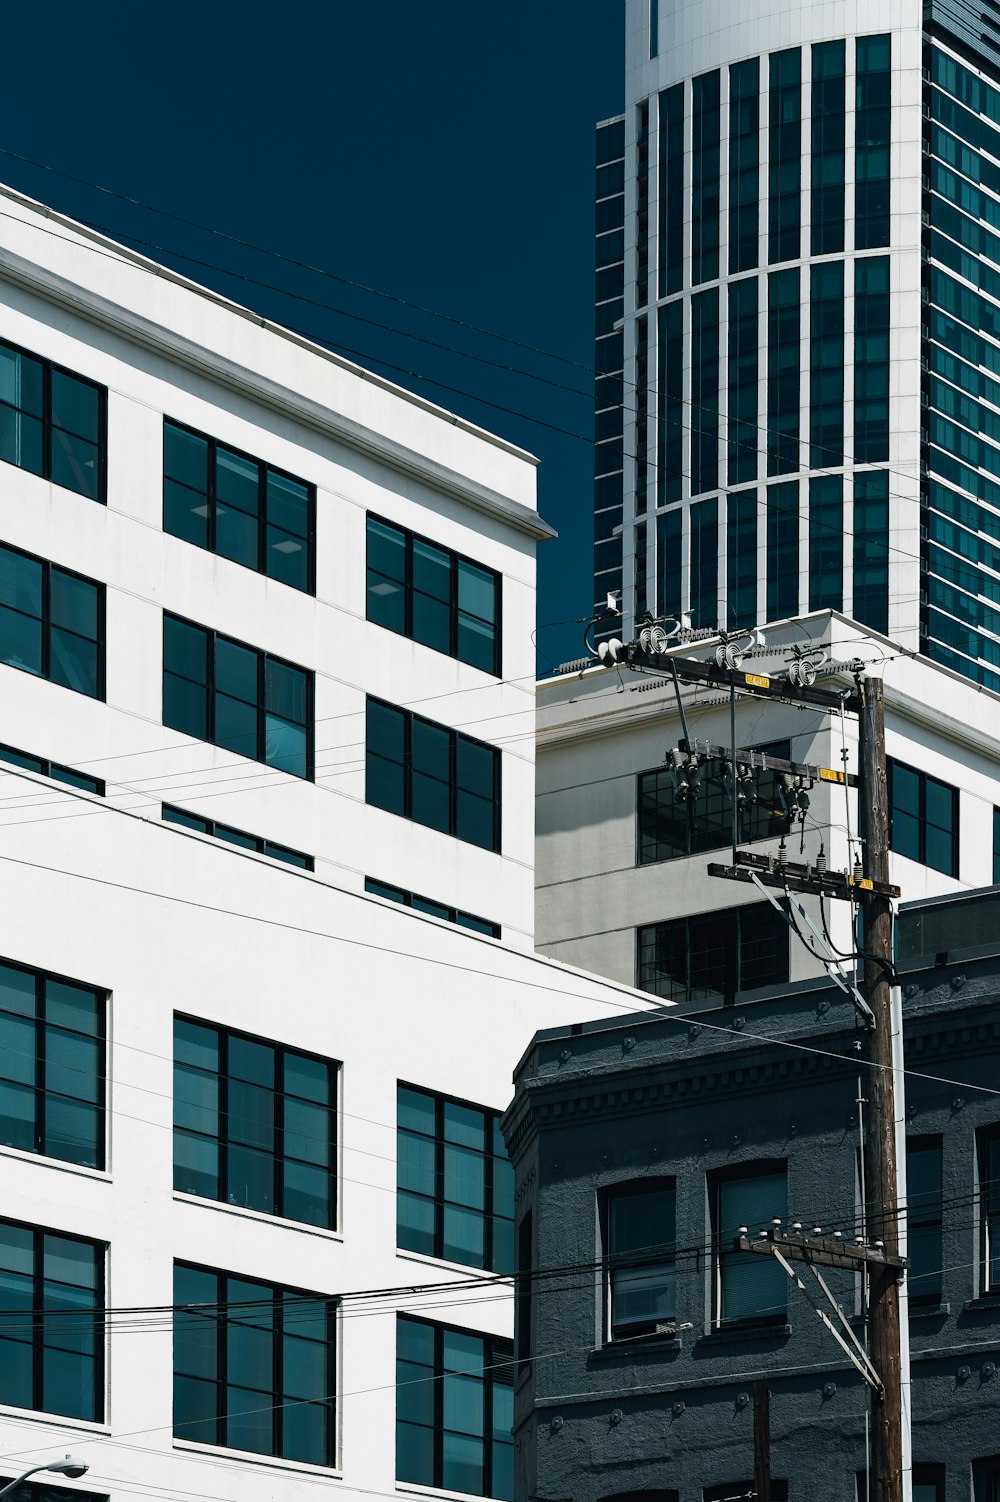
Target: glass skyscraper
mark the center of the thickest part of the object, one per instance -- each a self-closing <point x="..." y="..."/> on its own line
<point x="798" y="320"/>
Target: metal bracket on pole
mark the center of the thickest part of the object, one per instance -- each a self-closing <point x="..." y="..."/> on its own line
<point x="829" y="965"/>
<point x="858" y="1356"/>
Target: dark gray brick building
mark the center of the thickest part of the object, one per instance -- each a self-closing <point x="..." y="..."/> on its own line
<point x="639" y="1148"/>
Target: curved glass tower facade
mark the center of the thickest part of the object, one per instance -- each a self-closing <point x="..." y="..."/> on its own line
<point x="799" y="321"/>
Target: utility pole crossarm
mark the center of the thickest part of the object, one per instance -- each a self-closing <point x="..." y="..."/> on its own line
<point x="824" y="1251"/>
<point x="762" y="685"/>
<point x="799" y="877"/>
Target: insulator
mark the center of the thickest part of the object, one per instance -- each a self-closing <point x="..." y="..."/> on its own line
<point x="821" y="862"/>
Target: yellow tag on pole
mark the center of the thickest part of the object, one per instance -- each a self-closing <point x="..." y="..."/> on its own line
<point x="757" y="681"/>
<point x="827" y="774"/>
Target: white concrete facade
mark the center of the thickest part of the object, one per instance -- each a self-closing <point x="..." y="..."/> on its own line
<point x="101" y="891"/>
<point x="598" y="731"/>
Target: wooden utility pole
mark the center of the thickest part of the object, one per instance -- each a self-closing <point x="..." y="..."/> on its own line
<point x="881" y="1197"/>
<point x="761" y="1442"/>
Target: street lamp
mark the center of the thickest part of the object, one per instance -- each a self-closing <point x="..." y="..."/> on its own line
<point x="68" y="1467"/>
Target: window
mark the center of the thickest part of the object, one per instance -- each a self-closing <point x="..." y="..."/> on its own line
<point x="782" y="550"/>
<point x="671" y="178"/>
<point x="996" y="846"/>
<point x="455" y="1185"/>
<point x="51" y="622"/>
<point x="743" y="1491"/>
<point x="52" y="769"/>
<point x="748" y="1285"/>
<point x="871" y="549"/>
<point x="741" y="560"/>
<point x="744" y="164"/>
<point x="704" y="573"/>
<point x="454" y="1409"/>
<point x="254" y="1124"/>
<point x="671" y="417"/>
<point x="50" y="1362"/>
<point x="704" y="391"/>
<point x="923" y="1219"/>
<point x="871" y="360"/>
<point x="219" y="690"/>
<point x="254" y="1368"/>
<point x="711" y="956"/>
<point x="743" y="358"/>
<point x="32" y="1491"/>
<point x="986" y="1479"/>
<point x="525" y="1276"/>
<point x="432" y="775"/>
<point x="784" y="187"/>
<point x="705" y="169"/>
<point x="669" y="827"/>
<point x="52" y="422"/>
<point x="923" y="818"/>
<point x="826" y="542"/>
<point x="827" y="148"/>
<point x="52" y="1057"/>
<point x="435" y="909"/>
<point x="640" y="1240"/>
<point x="433" y="595"/>
<point x="237" y="837"/>
<point x="928" y="1483"/>
<point x="989" y="1209"/>
<point x="238" y="507"/>
<point x="669" y="528"/>
<point x="826" y="365"/>
<point x="782" y="372"/>
<point x="873" y="126"/>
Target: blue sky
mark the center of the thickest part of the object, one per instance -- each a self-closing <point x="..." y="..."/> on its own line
<point x="442" y="154"/>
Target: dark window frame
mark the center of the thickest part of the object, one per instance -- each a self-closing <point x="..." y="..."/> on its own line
<point x="219" y="1314"/>
<point x="498" y="1356"/>
<point x="50" y="367"/>
<point x="748" y="832"/>
<point x="222" y="1137"/>
<point x="630" y="1188"/>
<point x="14" y="757"/>
<point x="39" y="1089"/>
<point x="38" y="1325"/>
<point x="454" y="738"/>
<point x="491" y="1121"/>
<point x="253" y="842"/>
<point x="263" y="658"/>
<point x="45" y="620"/>
<point x="929" y="1217"/>
<point x="682" y="994"/>
<point x="263" y="468"/>
<point x="717" y="1179"/>
<point x="389" y="892"/>
<point x="988" y="1196"/>
<point x="455" y="560"/>
<point x="930" y="1473"/>
<point x="40" y="1491"/>
<point x="923" y="778"/>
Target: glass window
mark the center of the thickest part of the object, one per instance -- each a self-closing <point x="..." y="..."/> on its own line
<point x="749" y="1286"/>
<point x="928" y="1483"/>
<point x="871" y="549"/>
<point x="432" y="775"/>
<point x="871" y="360"/>
<point x="436" y="909"/>
<point x="52" y="422"/>
<point x="671" y="416"/>
<point x="744" y="341"/>
<point x="826" y="365"/>
<point x="434" y="596"/>
<point x="782" y="550"/>
<point x="52" y="769"/>
<point x="704" y="575"/>
<point x="254" y="1366"/>
<point x="51" y="622"/>
<point x="826" y="542"/>
<point x="873" y="130"/>
<point x="277" y="852"/>
<point x="640" y="1241"/>
<point x="705" y="169"/>
<point x="828" y="90"/>
<point x="455" y="1185"/>
<point x="52" y="1066"/>
<point x="744" y="164"/>
<point x="669" y="826"/>
<point x="254" y="1124"/>
<point x="669" y="526"/>
<point x="454" y="1409"/>
<point x="924" y="1219"/>
<point x="923" y="818"/>
<point x="238" y="507"/>
<point x="642" y="203"/>
<point x="741" y="560"/>
<point x="712" y="956"/>
<point x="52" y="1362"/>
<point x="785" y="152"/>
<point x="782" y="372"/>
<point x="235" y="696"/>
<point x="671" y="199"/>
<point x="996" y="847"/>
<point x="705" y="391"/>
<point x="989" y="1209"/>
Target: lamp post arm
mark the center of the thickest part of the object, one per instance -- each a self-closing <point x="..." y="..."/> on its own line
<point x="12" y="1486"/>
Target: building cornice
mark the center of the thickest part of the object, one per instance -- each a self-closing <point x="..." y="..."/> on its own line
<point x="259" y="388"/>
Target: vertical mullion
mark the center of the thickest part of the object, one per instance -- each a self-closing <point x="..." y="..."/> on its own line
<point x="488" y="1378"/>
<point x="38" y="1328"/>
<point x="261" y="518"/>
<point x="332" y="1122"/>
<point x="438" y="1176"/>
<point x="407" y="764"/>
<point x="277" y="1370"/>
<point x="40" y="1072"/>
<point x="211" y="495"/>
<point x="46" y="420"/>
<point x="438" y="1405"/>
<point x="222" y="1130"/>
<point x="279" y="1135"/>
<point x="261" y="706"/>
<point x="47" y="620"/>
<point x="453" y="784"/>
<point x="453" y="606"/>
<point x="210" y="684"/>
<point x="488" y="1191"/>
<point x="408" y="583"/>
<point x="221" y="1359"/>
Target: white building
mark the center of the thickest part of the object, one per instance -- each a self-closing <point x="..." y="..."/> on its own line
<point x="623" y="886"/>
<point x="194" y="676"/>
